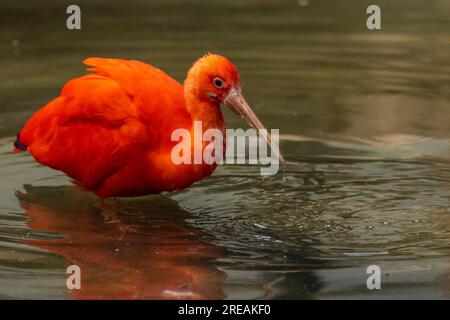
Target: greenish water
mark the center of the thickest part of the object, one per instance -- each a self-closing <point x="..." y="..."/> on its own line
<point x="365" y="128"/>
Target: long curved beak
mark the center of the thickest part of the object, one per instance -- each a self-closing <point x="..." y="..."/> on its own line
<point x="236" y="102"/>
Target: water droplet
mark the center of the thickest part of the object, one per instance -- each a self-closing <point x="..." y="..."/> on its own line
<point x="370" y="227"/>
<point x="17" y="52"/>
<point x="15" y="43"/>
<point x="416" y="221"/>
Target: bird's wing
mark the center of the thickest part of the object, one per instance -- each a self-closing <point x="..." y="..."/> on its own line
<point x="99" y="120"/>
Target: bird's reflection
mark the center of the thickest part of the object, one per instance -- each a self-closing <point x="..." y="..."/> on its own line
<point x="126" y="249"/>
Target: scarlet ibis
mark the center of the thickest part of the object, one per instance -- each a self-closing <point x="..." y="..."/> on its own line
<point x="110" y="130"/>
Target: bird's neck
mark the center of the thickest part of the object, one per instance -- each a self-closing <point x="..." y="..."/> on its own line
<point x="211" y="117"/>
<point x="206" y="111"/>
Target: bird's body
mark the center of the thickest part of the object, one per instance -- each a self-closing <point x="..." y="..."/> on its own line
<point x="111" y="130"/>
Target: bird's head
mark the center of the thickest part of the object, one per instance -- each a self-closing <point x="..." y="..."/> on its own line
<point x="215" y="80"/>
<point x="212" y="78"/>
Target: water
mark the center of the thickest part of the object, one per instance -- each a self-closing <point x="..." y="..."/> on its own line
<point x="363" y="118"/>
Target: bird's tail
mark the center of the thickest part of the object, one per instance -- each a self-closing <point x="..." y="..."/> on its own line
<point x="18" y="146"/>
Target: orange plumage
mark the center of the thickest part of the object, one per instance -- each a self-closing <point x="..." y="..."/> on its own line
<point x="111" y="130"/>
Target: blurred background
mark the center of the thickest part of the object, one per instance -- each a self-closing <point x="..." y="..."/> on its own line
<point x="365" y="126"/>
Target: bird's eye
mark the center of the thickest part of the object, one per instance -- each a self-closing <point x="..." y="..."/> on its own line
<point x="218" y="83"/>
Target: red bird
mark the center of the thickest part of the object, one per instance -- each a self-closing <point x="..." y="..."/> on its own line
<point x="111" y="130"/>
